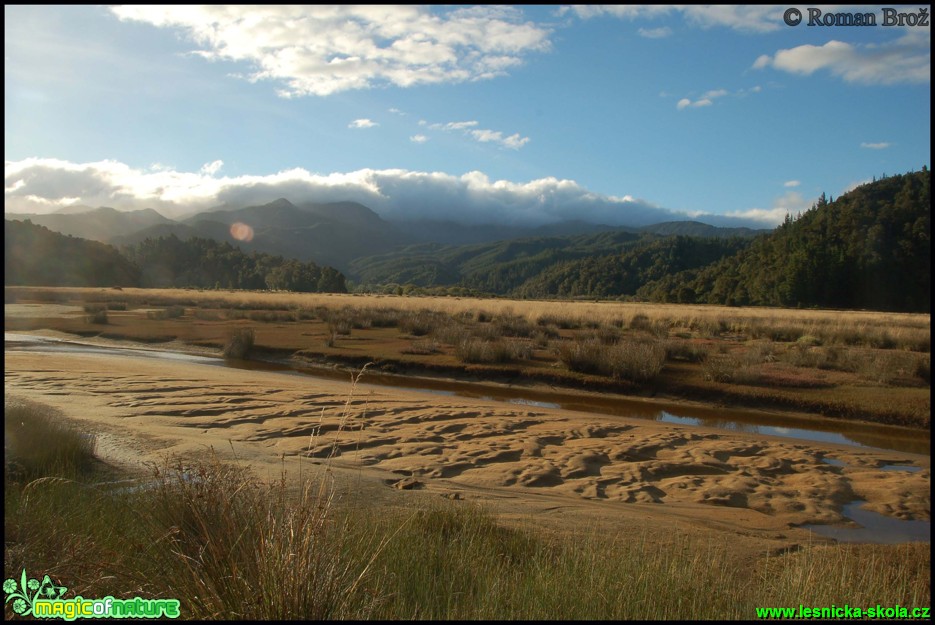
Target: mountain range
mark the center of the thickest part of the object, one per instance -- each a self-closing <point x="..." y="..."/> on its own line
<point x="870" y="248"/>
<point x="335" y="234"/>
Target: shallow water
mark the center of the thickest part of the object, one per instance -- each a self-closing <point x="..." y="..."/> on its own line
<point x="874" y="527"/>
<point x="811" y="429"/>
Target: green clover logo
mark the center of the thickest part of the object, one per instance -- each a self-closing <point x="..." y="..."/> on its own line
<point x="25" y="592"/>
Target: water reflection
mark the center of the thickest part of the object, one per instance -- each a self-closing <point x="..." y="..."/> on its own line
<point x="874" y="527"/>
<point x="901" y="467"/>
<point x="809" y="434"/>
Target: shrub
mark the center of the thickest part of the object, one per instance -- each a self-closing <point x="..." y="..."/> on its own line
<point x="240" y="344"/>
<point x="99" y="317"/>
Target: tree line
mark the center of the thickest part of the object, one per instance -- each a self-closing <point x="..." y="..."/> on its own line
<point x="37" y="256"/>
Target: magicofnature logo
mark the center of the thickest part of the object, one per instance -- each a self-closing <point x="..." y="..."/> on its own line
<point x="43" y="599"/>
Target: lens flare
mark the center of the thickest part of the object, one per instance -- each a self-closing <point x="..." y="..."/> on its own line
<point x="242" y="232"/>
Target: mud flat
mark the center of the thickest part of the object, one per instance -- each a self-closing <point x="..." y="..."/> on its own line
<point x="533" y="465"/>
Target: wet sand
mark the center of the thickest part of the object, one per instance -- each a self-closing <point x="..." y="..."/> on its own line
<point x="540" y="466"/>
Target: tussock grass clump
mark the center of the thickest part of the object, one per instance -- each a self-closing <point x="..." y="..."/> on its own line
<point x="894" y="367"/>
<point x="451" y="332"/>
<point x="272" y="316"/>
<point x="423" y="347"/>
<point x="206" y="315"/>
<point x="39" y="442"/>
<point x="565" y="322"/>
<point x="340" y="326"/>
<point x="640" y="321"/>
<point x="97" y="313"/>
<point x="739" y="367"/>
<point x="240" y="344"/>
<point x="808" y="340"/>
<point x="637" y="361"/>
<point x="476" y="350"/>
<point x="514" y="325"/>
<point x="421" y="323"/>
<point x="383" y="317"/>
<point x="486" y="331"/>
<point x="99" y="317"/>
<point x="237" y="548"/>
<point x="686" y="351"/>
<point x="170" y="312"/>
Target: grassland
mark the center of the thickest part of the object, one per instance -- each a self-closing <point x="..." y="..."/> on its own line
<point x="842" y="364"/>
<point x="231" y="546"/>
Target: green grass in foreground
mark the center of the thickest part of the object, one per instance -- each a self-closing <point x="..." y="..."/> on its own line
<point x="229" y="546"/>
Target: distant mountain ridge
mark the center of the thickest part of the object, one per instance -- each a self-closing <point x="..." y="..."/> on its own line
<point x="98" y="224"/>
<point x="870" y="248"/>
<point x="330" y="233"/>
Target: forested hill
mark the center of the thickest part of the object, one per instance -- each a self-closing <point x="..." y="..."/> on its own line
<point x="206" y="263"/>
<point x="868" y="249"/>
<point x="34" y="255"/>
<point x="608" y="264"/>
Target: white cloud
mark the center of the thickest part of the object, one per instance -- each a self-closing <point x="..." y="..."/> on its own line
<point x="43" y="185"/>
<point x="362" y="123"/>
<point x="790" y="203"/>
<point x="876" y="146"/>
<point x="482" y="135"/>
<point x="418" y="138"/>
<point x="708" y="97"/>
<point x="322" y="50"/>
<point x="395" y="111"/>
<point x="454" y="125"/>
<point x="514" y="142"/>
<point x="906" y="60"/>
<point x="655" y="33"/>
<point x="686" y="103"/>
<point x="208" y="168"/>
<point x="791" y="183"/>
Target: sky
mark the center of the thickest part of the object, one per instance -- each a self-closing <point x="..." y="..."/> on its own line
<point x="624" y="115"/>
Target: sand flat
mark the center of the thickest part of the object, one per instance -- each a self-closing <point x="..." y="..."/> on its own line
<point x="523" y="461"/>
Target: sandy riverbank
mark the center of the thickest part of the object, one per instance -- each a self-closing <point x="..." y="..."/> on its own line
<point x="547" y="467"/>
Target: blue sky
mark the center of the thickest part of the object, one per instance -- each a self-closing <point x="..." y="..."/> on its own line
<point x="621" y="115"/>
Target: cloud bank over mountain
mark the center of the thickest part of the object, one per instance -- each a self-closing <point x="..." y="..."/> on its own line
<point x="47" y="185"/>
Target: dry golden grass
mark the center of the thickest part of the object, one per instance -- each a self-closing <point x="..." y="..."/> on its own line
<point x="853" y="364"/>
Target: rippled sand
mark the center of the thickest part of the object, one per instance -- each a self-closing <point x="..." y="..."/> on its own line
<point x="543" y="464"/>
